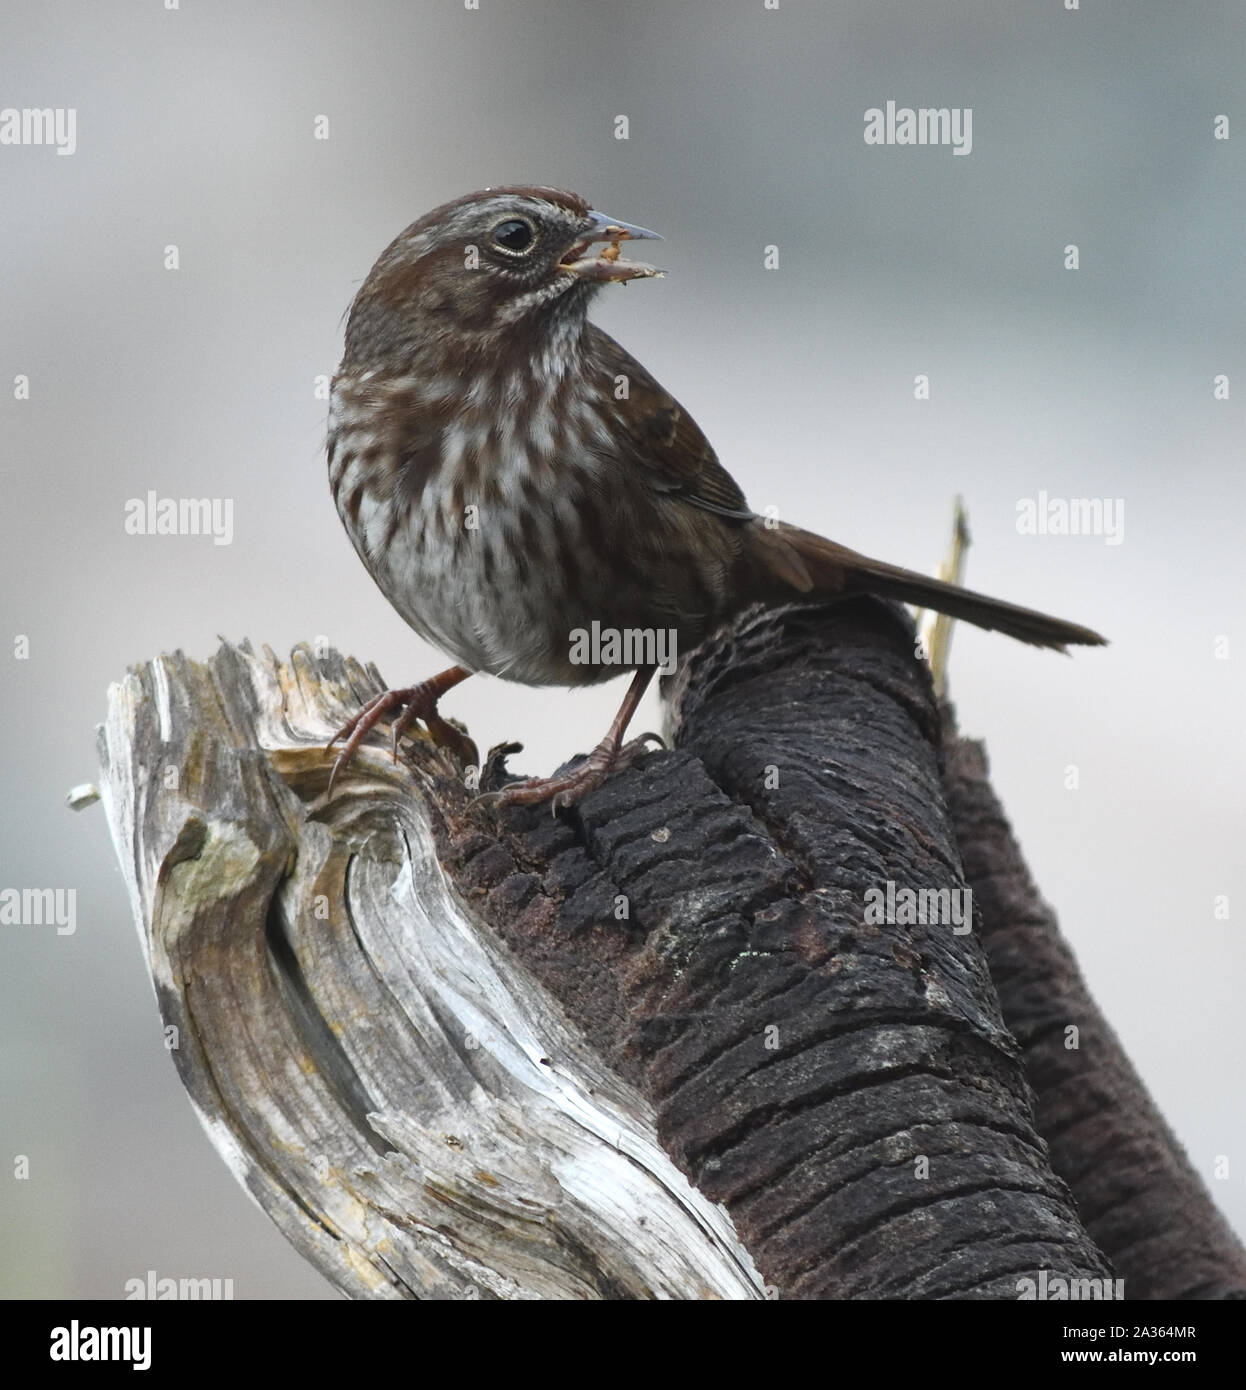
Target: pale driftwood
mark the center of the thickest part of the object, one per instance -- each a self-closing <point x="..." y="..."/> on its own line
<point x="405" y="1101"/>
<point x="450" y="1051"/>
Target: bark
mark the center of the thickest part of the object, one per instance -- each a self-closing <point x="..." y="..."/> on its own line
<point x="653" y="1047"/>
<point x="1138" y="1194"/>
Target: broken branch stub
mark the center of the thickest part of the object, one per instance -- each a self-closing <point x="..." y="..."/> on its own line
<point x="409" y="1105"/>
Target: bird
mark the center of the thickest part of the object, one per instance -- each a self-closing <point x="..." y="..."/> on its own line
<point x="510" y="476"/>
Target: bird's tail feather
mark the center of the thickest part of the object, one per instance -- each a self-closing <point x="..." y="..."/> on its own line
<point x="834" y="569"/>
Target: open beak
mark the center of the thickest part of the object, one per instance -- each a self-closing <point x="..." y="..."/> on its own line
<point x="606" y="265"/>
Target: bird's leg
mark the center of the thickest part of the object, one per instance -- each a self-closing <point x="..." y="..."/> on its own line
<point x="610" y="755"/>
<point x="416" y="702"/>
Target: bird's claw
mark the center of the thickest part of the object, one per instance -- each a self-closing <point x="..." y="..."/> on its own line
<point x="571" y="787"/>
<point x="416" y="702"/>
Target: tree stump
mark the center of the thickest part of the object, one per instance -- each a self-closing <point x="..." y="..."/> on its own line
<point x="660" y="1045"/>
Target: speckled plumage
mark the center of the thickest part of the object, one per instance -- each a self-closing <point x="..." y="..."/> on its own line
<point x="509" y="474"/>
<point x="485" y="475"/>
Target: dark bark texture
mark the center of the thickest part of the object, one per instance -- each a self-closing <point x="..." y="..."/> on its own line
<point x="1138" y="1194"/>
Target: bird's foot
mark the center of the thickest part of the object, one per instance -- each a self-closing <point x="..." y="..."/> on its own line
<point x="416" y="702"/>
<point x="569" y="788"/>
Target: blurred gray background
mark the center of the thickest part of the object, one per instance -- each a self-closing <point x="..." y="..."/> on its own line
<point x="195" y="127"/>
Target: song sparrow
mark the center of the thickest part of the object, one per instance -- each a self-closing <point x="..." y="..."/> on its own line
<point x="510" y="475"/>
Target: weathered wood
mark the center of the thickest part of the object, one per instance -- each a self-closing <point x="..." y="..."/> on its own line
<point x="460" y="1053"/>
<point x="405" y="1101"/>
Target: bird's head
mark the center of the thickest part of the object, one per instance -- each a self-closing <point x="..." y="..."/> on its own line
<point x="500" y="262"/>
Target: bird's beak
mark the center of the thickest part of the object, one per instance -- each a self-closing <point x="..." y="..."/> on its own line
<point x="606" y="265"/>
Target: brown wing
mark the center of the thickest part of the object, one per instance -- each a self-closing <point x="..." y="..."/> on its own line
<point x="663" y="441"/>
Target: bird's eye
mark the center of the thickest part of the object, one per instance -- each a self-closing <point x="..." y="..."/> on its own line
<point x="514" y="234"/>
